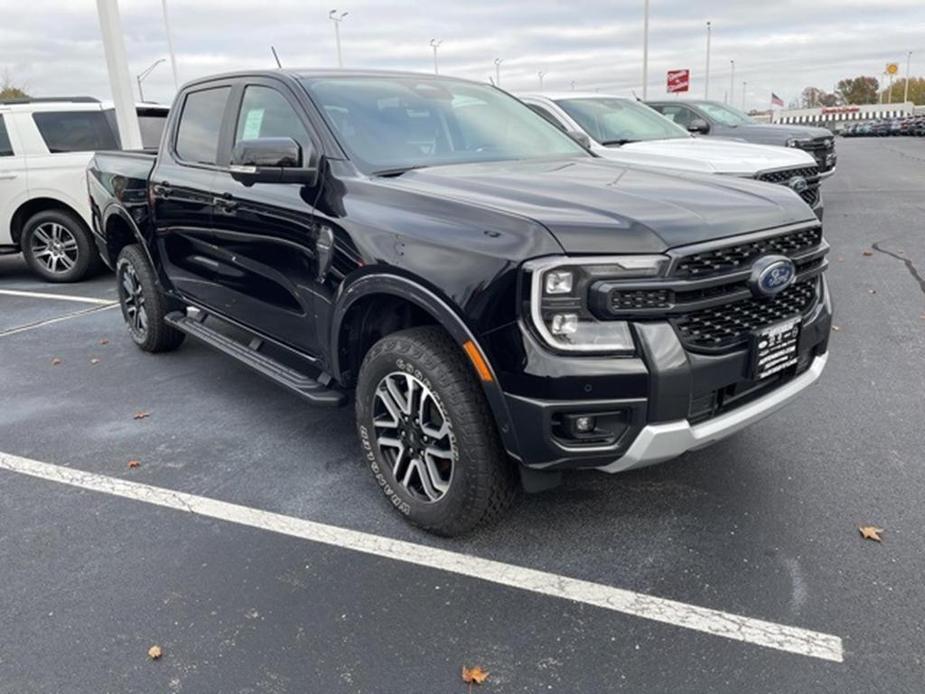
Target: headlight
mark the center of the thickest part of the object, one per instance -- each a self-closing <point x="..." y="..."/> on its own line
<point x="793" y="142"/>
<point x="559" y="300"/>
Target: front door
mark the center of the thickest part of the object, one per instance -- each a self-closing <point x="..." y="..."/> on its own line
<point x="12" y="179"/>
<point x="266" y="233"/>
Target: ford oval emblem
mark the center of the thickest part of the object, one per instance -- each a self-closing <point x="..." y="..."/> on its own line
<point x="798" y="184"/>
<point x="771" y="275"/>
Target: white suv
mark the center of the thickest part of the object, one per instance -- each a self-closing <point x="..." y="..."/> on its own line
<point x="45" y="146"/>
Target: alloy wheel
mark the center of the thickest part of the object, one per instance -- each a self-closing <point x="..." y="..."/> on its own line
<point x="55" y="247"/>
<point x="414" y="436"/>
<point x="133" y="301"/>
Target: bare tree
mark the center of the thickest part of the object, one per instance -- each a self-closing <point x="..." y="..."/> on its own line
<point x="10" y="90"/>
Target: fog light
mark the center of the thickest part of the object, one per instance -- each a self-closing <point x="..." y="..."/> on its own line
<point x="584" y="425"/>
<point x="564" y="324"/>
<point x="559" y="282"/>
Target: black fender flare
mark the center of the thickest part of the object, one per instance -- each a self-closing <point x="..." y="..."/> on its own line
<point x="405" y="288"/>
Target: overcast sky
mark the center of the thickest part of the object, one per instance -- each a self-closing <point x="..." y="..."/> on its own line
<point x="53" y="46"/>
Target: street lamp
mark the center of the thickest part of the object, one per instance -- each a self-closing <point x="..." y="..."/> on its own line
<point x="744" y="88"/>
<point x="498" y="62"/>
<point x="143" y="75"/>
<point x="706" y="72"/>
<point x="337" y="19"/>
<point x="541" y="74"/>
<point x="732" y="82"/>
<point x="435" y="44"/>
<point x="173" y="57"/>
<point x="908" y="75"/>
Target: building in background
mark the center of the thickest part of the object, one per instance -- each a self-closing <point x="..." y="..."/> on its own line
<point x="837" y="116"/>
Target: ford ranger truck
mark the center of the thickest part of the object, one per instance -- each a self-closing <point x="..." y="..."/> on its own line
<point x="496" y="301"/>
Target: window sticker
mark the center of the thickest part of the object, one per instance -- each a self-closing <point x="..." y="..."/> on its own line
<point x="252" y="124"/>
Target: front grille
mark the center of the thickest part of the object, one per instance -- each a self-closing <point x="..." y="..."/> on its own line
<point x="639" y="299"/>
<point x="731" y="324"/>
<point x="784" y="175"/>
<point x="810" y="196"/>
<point x="718" y="261"/>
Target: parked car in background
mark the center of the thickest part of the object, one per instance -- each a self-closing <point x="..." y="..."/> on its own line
<point x="630" y="132"/>
<point x="45" y="145"/>
<point x="492" y="297"/>
<point x="721" y="120"/>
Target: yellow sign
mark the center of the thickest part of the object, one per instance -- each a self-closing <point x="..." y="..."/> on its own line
<point x="892" y="68"/>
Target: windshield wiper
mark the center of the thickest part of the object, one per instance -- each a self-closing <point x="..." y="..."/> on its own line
<point x="607" y="143"/>
<point x="398" y="170"/>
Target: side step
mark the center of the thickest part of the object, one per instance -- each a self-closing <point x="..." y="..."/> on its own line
<point x="298" y="382"/>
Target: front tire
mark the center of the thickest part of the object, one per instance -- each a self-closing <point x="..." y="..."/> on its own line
<point x="429" y="435"/>
<point x="143" y="305"/>
<point x="57" y="247"/>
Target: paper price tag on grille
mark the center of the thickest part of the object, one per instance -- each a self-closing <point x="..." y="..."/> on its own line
<point x="775" y="348"/>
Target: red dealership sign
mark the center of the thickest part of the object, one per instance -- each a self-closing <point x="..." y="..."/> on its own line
<point x="679" y="81"/>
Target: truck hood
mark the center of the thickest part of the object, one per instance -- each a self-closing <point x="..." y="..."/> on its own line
<point x="772" y="134"/>
<point x="707" y="155"/>
<point x="593" y="205"/>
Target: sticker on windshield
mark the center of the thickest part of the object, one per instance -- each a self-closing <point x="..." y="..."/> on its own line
<point x="252" y="124"/>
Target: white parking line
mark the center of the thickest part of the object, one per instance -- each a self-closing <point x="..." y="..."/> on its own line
<point x="715" y="622"/>
<point x="60" y="297"/>
<point x="57" y="319"/>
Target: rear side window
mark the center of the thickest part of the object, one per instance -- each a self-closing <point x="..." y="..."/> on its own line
<point x="152" y="126"/>
<point x="75" y="131"/>
<point x="200" y="125"/>
<point x="6" y="149"/>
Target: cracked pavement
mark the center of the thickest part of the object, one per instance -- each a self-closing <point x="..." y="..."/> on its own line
<point x="763" y="524"/>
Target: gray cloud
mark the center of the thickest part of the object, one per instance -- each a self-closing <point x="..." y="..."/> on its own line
<point x="782" y="46"/>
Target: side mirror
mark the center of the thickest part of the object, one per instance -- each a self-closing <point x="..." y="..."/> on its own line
<point x="273" y="160"/>
<point x="699" y="125"/>
<point x="580" y="137"/>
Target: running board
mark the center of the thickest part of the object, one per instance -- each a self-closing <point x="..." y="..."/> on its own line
<point x="279" y="373"/>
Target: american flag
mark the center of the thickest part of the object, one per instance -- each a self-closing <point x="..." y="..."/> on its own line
<point x="776" y="100"/>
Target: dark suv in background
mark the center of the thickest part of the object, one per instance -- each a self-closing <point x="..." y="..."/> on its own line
<point x="721" y="120"/>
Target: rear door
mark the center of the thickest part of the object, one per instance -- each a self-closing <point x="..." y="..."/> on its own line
<point x="266" y="234"/>
<point x="12" y="178"/>
<point x="181" y="192"/>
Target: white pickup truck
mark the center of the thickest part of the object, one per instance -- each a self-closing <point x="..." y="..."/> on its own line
<point x="630" y="132"/>
<point x="45" y="146"/>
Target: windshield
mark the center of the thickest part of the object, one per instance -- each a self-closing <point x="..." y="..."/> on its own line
<point x="390" y="124"/>
<point x="613" y="121"/>
<point x="727" y="115"/>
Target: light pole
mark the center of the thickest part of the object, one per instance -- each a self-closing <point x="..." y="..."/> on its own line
<point x="744" y="87"/>
<point x="732" y="82"/>
<point x="337" y="19"/>
<point x="173" y="57"/>
<point x="498" y="62"/>
<point x="120" y="79"/>
<point x="573" y="84"/>
<point x="908" y="75"/>
<point x="645" y="52"/>
<point x="435" y="44"/>
<point x="141" y="77"/>
<point x="541" y="74"/>
<point x="706" y="72"/>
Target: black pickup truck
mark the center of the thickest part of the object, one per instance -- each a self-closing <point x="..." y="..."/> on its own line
<point x="496" y="300"/>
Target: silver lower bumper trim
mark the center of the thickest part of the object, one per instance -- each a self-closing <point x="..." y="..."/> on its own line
<point x="659" y="442"/>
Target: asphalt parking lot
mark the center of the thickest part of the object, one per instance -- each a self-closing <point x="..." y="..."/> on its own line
<point x="762" y="526"/>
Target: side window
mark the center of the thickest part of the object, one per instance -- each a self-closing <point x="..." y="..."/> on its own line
<point x="75" y="131"/>
<point x="6" y="149"/>
<point x="201" y="124"/>
<point x="546" y="115"/>
<point x="266" y="113"/>
<point x="679" y="115"/>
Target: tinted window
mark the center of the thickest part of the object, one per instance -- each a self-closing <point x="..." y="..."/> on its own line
<point x="151" y="122"/>
<point x="678" y="115"/>
<point x="266" y="113"/>
<point x="617" y="121"/>
<point x="396" y="123"/>
<point x="546" y="115"/>
<point x="76" y="131"/>
<point x="6" y="149"/>
<point x="200" y="124"/>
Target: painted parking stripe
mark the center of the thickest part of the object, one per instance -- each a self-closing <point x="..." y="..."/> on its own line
<point x="715" y="622"/>
<point x="57" y="319"/>
<point x="60" y="297"/>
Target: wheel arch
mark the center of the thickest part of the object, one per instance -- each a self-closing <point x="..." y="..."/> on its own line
<point x="119" y="230"/>
<point x="33" y="206"/>
<point x="368" y="293"/>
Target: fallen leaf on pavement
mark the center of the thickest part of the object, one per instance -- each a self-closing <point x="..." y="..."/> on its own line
<point x="475" y="674"/>
<point x="835" y="328"/>
<point x="94" y="361"/>
<point x="868" y="253"/>
<point x="55" y="361"/>
<point x="104" y="341"/>
<point x="870" y="532"/>
<point x="134" y="463"/>
<point x="155" y="652"/>
<point x="872" y="291"/>
<point x="141" y="415"/>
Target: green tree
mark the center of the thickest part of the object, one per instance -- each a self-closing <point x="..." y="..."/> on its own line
<point x="916" y="91"/>
<point x="813" y="97"/>
<point x="858" y="90"/>
<point x="8" y="90"/>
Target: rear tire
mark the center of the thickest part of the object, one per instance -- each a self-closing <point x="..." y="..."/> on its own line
<point x="429" y="435"/>
<point x="144" y="306"/>
<point x="58" y="247"/>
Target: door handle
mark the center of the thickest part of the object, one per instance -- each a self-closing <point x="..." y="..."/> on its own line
<point x="162" y="189"/>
